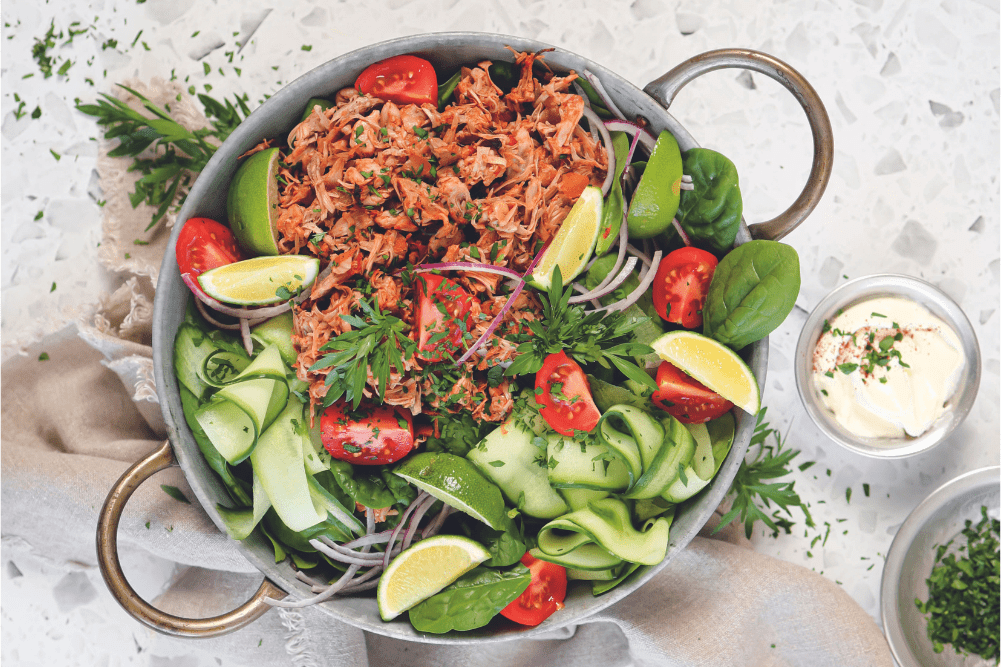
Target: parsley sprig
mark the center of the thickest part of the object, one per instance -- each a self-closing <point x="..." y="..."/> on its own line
<point x="378" y="341"/>
<point x="178" y="154"/>
<point x="588" y="337"/>
<point x="753" y="496"/>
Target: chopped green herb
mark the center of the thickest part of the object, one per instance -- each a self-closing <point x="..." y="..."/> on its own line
<point x="175" y="493"/>
<point x="44" y="356"/>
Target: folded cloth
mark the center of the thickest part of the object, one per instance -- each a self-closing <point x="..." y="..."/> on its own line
<point x="79" y="407"/>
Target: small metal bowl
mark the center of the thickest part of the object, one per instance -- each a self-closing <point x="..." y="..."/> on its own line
<point x="940" y="305"/>
<point x="937" y="519"/>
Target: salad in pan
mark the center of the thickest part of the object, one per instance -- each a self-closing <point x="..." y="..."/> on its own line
<point x="460" y="343"/>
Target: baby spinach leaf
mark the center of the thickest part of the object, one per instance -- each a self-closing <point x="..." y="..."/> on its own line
<point x="399" y="487"/>
<point x="459" y="434"/>
<point x="471" y="601"/>
<point x="753" y="290"/>
<point x="710" y="213"/>
<point x="506" y="546"/>
<point x="365" y="487"/>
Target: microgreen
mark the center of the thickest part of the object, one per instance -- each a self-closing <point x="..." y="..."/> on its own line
<point x="588" y="337"/>
<point x="378" y="341"/>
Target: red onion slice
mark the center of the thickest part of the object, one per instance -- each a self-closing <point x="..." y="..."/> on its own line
<point x="259" y="312"/>
<point x="415" y="520"/>
<point x="387" y="556"/>
<point x="638" y="132"/>
<point x="468" y="266"/>
<point x="681" y="232"/>
<point x="603" y="94"/>
<point x="609" y="149"/>
<point x="610" y="287"/>
<point x="503" y="311"/>
<point x="645" y="282"/>
<point x="623" y="241"/>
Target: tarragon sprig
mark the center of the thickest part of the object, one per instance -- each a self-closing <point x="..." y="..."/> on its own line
<point x="378" y="341"/>
<point x="749" y="487"/>
<point x="178" y="153"/>
<point x="588" y="337"/>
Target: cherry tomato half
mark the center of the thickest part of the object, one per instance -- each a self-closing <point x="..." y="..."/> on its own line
<point x="685" y="398"/>
<point x="681" y="284"/>
<point x="370" y="435"/>
<point x="204" y="244"/>
<point x="562" y="389"/>
<point x="544" y="595"/>
<point x="442" y="317"/>
<point x="400" y="79"/>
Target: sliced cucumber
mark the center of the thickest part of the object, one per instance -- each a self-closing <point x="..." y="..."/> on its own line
<point x="677" y="450"/>
<point x="277" y="331"/>
<point x="593" y="466"/>
<point x="508" y="458"/>
<point x="585" y="557"/>
<point x="191" y="348"/>
<point x="610" y="525"/>
<point x="579" y="498"/>
<point x="278" y="463"/>
<point x="229" y="428"/>
<point x="697" y="475"/>
<point x="632" y="434"/>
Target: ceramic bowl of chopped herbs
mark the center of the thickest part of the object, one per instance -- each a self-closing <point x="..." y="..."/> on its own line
<point x="888" y="365"/>
<point x="940" y="588"/>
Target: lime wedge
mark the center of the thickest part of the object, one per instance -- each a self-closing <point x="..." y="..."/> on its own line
<point x="260" y="281"/>
<point x="713" y="364"/>
<point x="424" y="569"/>
<point x="573" y="244"/>
<point x="252" y="203"/>
<point x="657" y="195"/>
<point x="455" y="481"/>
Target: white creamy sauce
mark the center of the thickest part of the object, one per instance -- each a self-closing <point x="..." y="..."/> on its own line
<point x="887" y="367"/>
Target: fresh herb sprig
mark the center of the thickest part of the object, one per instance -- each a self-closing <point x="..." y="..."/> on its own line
<point x="378" y="341"/>
<point x="178" y="154"/>
<point x="753" y="496"/>
<point x="588" y="337"/>
<point x="963" y="601"/>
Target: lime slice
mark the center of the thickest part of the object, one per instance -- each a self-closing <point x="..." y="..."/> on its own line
<point x="260" y="281"/>
<point x="424" y="569"/>
<point x="657" y="195"/>
<point x="455" y="481"/>
<point x="713" y="364"/>
<point x="573" y="244"/>
<point x="252" y="203"/>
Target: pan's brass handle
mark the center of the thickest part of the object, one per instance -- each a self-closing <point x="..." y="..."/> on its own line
<point x="664" y="88"/>
<point x="111" y="568"/>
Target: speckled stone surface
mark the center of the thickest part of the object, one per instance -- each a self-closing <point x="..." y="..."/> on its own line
<point x="912" y="89"/>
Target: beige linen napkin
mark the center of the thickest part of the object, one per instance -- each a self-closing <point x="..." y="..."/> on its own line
<point x="79" y="406"/>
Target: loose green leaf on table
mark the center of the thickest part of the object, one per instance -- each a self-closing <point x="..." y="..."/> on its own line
<point x="753" y="495"/>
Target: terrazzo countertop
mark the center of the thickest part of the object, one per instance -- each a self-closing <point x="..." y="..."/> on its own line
<point x="912" y="89"/>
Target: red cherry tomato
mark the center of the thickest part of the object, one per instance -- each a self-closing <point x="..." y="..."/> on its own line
<point x="204" y="244"/>
<point x="544" y="595"/>
<point x="400" y="79"/>
<point x="369" y="435"/>
<point x="442" y="317"/>
<point x="685" y="398"/>
<point x="681" y="284"/>
<point x="562" y="389"/>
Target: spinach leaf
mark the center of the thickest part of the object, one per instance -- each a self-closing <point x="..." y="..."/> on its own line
<point x="459" y="434"/>
<point x="753" y="290"/>
<point x="607" y="394"/>
<point x="399" y="487"/>
<point x="237" y="488"/>
<point x="447" y="89"/>
<point x="710" y="213"/>
<point x="471" y="601"/>
<point x="506" y="547"/>
<point x="363" y="486"/>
